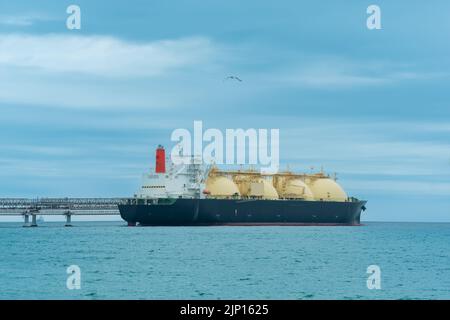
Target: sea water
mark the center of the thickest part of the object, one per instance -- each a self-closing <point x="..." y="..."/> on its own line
<point x="120" y="262"/>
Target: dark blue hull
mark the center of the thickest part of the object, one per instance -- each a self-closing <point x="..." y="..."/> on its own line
<point x="240" y="212"/>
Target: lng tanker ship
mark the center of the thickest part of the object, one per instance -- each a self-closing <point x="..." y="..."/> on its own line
<point x="188" y="194"/>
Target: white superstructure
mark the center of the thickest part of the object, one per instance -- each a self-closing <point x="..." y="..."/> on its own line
<point x="178" y="181"/>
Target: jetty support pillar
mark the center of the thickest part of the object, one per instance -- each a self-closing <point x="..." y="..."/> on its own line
<point x="33" y="220"/>
<point x="26" y="219"/>
<point x="68" y="215"/>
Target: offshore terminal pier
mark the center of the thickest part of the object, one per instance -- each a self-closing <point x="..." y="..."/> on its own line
<point x="190" y="194"/>
<point x="33" y="209"/>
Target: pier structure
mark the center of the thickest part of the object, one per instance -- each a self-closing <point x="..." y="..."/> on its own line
<point x="68" y="207"/>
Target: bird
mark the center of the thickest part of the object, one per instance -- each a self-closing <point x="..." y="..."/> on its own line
<point x="233" y="78"/>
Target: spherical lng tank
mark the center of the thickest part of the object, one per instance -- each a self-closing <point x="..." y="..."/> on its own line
<point x="219" y="186"/>
<point x="296" y="189"/>
<point x="327" y="189"/>
<point x="269" y="192"/>
<point x="256" y="187"/>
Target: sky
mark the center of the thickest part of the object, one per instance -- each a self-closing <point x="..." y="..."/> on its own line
<point x="83" y="110"/>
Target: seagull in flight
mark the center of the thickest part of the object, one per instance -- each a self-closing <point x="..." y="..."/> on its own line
<point x="233" y="78"/>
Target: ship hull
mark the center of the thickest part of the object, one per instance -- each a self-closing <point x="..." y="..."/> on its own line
<point x="189" y="212"/>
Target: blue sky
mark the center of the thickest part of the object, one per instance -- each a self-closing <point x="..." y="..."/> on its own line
<point x="82" y="110"/>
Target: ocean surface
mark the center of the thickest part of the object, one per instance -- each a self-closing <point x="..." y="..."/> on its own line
<point x="122" y="262"/>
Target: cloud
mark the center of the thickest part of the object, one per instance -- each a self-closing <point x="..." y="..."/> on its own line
<point x="33" y="150"/>
<point x="102" y="55"/>
<point x="73" y="71"/>
<point x="332" y="78"/>
<point x="416" y="188"/>
<point x="366" y="154"/>
<point x="78" y="168"/>
<point x="333" y="73"/>
<point x="87" y="92"/>
<point x="23" y="20"/>
<point x="370" y="156"/>
<point x="365" y="146"/>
